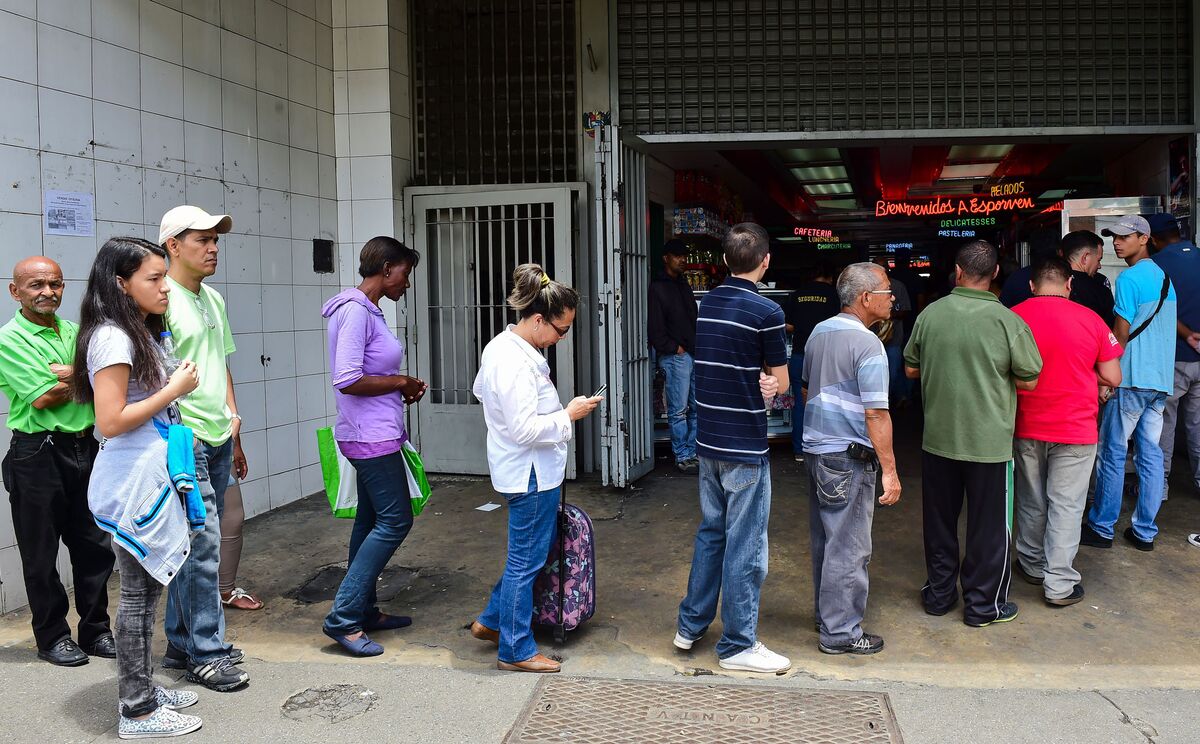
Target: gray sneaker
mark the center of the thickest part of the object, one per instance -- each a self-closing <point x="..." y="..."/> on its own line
<point x="175" y="699"/>
<point x="687" y="466"/>
<point x="163" y="722"/>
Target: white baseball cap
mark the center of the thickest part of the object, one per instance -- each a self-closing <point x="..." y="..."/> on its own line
<point x="187" y="217"/>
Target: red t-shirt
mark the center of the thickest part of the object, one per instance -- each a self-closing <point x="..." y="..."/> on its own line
<point x="1072" y="340"/>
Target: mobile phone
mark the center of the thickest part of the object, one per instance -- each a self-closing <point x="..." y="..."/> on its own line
<point x="600" y="390"/>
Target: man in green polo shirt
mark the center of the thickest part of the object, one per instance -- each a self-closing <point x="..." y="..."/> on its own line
<point x="195" y="619"/>
<point x="970" y="354"/>
<point x="47" y="468"/>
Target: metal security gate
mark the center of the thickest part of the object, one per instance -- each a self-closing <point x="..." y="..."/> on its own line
<point x="622" y="281"/>
<point x="470" y="241"/>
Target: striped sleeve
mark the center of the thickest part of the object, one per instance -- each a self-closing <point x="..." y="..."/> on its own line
<point x="773" y="336"/>
<point x="873" y="380"/>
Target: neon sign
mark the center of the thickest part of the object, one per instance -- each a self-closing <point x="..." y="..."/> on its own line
<point x="1008" y="189"/>
<point x="812" y="232"/>
<point x="893" y="247"/>
<point x="969" y="222"/>
<point x="956" y="233"/>
<point x="944" y="205"/>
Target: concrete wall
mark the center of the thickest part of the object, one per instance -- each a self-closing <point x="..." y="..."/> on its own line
<point x="230" y="105"/>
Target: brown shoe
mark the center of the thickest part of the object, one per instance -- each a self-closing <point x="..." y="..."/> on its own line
<point x="537" y="664"/>
<point x="485" y="633"/>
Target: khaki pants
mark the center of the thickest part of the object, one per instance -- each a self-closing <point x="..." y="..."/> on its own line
<point x="1052" y="484"/>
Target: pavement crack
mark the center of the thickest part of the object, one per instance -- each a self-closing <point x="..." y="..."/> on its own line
<point x="625" y="496"/>
<point x="1142" y="727"/>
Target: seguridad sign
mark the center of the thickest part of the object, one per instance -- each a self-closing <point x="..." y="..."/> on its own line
<point x="949" y="205"/>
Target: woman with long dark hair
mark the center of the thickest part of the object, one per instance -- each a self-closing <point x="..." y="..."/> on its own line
<point x="370" y="393"/>
<point x="528" y="431"/>
<point x="119" y="367"/>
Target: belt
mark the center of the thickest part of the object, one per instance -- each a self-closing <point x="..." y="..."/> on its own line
<point x="64" y="435"/>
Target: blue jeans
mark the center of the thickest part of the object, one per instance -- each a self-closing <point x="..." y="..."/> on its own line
<point x="681" y="403"/>
<point x="1137" y="413"/>
<point x="795" y="373"/>
<point x="381" y="523"/>
<point x="730" y="553"/>
<point x="195" y="620"/>
<point x="532" y="524"/>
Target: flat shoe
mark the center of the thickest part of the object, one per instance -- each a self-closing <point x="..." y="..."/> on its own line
<point x="536" y="664"/>
<point x="388" y="622"/>
<point x="240" y="599"/>
<point x="361" y="646"/>
<point x="484" y="633"/>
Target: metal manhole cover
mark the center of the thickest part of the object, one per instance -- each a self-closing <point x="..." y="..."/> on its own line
<point x="594" y="711"/>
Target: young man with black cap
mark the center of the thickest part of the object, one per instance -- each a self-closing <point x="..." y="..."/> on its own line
<point x="1180" y="259"/>
<point x="196" y="317"/>
<point x="672" y="320"/>
<point x="1145" y="326"/>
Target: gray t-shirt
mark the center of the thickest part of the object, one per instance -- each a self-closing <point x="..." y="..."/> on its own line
<point x="845" y="372"/>
<point x="110" y="346"/>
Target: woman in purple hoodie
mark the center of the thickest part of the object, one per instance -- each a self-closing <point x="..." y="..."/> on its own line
<point x="365" y="358"/>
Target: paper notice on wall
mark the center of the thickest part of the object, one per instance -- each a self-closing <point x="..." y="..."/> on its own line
<point x="69" y="213"/>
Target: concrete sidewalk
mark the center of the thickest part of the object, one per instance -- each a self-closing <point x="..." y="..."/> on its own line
<point x="1122" y="666"/>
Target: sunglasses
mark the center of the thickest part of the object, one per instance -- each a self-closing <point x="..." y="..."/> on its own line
<point x="560" y="331"/>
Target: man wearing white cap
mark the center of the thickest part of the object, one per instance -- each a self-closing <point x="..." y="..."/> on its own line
<point x="196" y="318"/>
<point x="1145" y="326"/>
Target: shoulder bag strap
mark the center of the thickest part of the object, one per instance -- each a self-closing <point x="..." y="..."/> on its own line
<point x="1162" y="298"/>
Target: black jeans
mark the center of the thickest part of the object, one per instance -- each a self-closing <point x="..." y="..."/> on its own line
<point x="47" y="480"/>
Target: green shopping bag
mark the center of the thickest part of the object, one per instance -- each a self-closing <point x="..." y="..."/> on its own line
<point x="418" y="484"/>
<point x="341" y="484"/>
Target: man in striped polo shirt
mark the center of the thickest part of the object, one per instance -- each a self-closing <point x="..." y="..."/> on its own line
<point x="848" y="441"/>
<point x="739" y="334"/>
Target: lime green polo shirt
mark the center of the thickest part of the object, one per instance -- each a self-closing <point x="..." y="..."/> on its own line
<point x="26" y="352"/>
<point x="969" y="349"/>
<point x="200" y="328"/>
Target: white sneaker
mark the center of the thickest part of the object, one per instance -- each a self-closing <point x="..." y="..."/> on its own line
<point x="757" y="658"/>
<point x="684" y="644"/>
<point x="175" y="699"/>
<point x="163" y="722"/>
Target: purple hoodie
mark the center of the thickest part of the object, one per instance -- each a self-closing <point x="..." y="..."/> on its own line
<point x="360" y="343"/>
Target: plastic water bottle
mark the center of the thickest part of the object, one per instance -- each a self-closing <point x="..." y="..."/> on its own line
<point x="170" y="359"/>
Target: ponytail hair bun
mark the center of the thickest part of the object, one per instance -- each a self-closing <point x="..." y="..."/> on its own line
<point x="535" y="293"/>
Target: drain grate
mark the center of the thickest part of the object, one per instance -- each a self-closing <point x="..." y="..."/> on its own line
<point x="593" y="711"/>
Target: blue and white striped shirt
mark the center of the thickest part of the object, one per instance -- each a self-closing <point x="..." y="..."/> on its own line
<point x="845" y="372"/>
<point x="738" y="332"/>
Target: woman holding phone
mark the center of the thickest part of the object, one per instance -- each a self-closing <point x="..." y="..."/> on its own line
<point x="528" y="431"/>
<point x="119" y="368"/>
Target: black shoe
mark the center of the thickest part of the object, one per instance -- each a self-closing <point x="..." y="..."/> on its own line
<point x="1028" y="577"/>
<point x="1088" y="536"/>
<point x="176" y="659"/>
<point x="1143" y="545"/>
<point x="65" y="653"/>
<point x="866" y="644"/>
<point x="218" y="675"/>
<point x="1075" y="596"/>
<point x="105" y="647"/>
<point x="1008" y="611"/>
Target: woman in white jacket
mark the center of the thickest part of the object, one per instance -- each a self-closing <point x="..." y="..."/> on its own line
<point x="528" y="431"/>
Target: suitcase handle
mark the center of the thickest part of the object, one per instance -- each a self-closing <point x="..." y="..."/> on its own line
<point x="560" y="630"/>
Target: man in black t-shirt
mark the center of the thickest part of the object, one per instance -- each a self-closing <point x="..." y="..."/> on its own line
<point x="1082" y="250"/>
<point x="811" y="302"/>
<point x="672" y="321"/>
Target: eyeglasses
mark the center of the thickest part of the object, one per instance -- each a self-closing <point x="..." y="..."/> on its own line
<point x="208" y="319"/>
<point x="887" y="291"/>
<point x="561" y="331"/>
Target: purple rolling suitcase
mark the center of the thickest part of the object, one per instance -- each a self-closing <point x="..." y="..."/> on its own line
<point x="564" y="595"/>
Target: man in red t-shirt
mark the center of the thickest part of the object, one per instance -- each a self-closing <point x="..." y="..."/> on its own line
<point x="1056" y="433"/>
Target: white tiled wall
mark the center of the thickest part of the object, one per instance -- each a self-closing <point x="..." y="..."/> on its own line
<point x="229" y="105"/>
